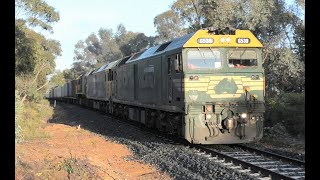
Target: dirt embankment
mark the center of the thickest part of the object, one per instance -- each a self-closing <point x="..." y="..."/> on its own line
<point x="71" y="152"/>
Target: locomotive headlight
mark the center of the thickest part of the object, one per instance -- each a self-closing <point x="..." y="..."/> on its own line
<point x="208" y="116"/>
<point x="222" y="40"/>
<point x="228" y="39"/>
<point x="243" y="115"/>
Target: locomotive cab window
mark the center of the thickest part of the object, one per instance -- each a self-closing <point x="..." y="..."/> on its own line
<point x="169" y="65"/>
<point x="178" y="63"/>
<point x="202" y="59"/>
<point x="238" y="58"/>
<point x="110" y="74"/>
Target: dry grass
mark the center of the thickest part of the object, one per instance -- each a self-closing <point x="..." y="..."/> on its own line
<point x="33" y="119"/>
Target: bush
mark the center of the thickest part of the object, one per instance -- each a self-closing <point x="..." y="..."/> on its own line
<point x="289" y="110"/>
<point x="18" y="112"/>
<point x="293" y="98"/>
<point x="33" y="118"/>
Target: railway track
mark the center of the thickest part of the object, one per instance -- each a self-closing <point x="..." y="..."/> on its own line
<point x="271" y="155"/>
<point x="262" y="164"/>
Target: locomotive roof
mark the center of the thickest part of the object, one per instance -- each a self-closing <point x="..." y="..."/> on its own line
<point x="202" y="38"/>
<point x="106" y="66"/>
<point x="161" y="48"/>
<point x="110" y="65"/>
<point x="89" y="72"/>
<point x="101" y="68"/>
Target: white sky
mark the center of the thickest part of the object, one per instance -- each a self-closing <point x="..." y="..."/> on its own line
<point x="78" y="19"/>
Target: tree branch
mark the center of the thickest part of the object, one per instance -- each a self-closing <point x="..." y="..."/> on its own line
<point x="43" y="86"/>
<point x="34" y="80"/>
<point x="197" y="13"/>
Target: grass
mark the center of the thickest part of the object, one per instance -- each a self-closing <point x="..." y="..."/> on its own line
<point x="74" y="168"/>
<point x="68" y="167"/>
<point x="33" y="118"/>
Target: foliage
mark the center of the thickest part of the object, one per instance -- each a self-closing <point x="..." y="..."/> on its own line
<point x="77" y="69"/>
<point x="136" y="44"/>
<point x="284" y="71"/>
<point x="285" y="99"/>
<point x="106" y="46"/>
<point x="168" y="26"/>
<point x="293" y="98"/>
<point x="287" y="110"/>
<point x="35" y="116"/>
<point x="36" y="13"/>
<point x="24" y="49"/>
<point x="34" y="53"/>
<point x="27" y="88"/>
<point x="18" y="112"/>
<point x="57" y="79"/>
<point x="97" y="49"/>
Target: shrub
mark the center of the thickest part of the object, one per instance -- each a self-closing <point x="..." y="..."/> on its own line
<point x="33" y="118"/>
<point x="18" y="112"/>
<point x="289" y="110"/>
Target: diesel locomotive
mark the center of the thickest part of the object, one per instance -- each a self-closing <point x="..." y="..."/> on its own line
<point x="207" y="87"/>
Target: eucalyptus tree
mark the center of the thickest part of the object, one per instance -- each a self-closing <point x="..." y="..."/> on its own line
<point x="107" y="46"/>
<point x="34" y="53"/>
<point x="169" y="26"/>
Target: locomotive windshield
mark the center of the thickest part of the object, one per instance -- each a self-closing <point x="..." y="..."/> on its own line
<point x="238" y="58"/>
<point x="204" y="59"/>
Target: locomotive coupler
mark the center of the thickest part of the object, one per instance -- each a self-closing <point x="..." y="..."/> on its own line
<point x="229" y="123"/>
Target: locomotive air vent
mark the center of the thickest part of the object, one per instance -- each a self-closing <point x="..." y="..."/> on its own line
<point x="162" y="47"/>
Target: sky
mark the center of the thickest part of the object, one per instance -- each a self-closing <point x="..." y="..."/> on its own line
<point x="78" y="19"/>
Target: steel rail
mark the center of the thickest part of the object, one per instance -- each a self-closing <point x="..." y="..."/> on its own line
<point x="271" y="155"/>
<point x="254" y="168"/>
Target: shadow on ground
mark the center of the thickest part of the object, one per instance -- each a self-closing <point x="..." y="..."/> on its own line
<point x="99" y="123"/>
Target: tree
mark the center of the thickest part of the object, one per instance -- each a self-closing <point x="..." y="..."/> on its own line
<point x="169" y="26"/>
<point x="131" y="42"/>
<point x="36" y="13"/>
<point x="137" y="44"/>
<point x="57" y="79"/>
<point x="34" y="54"/>
<point x="190" y="12"/>
<point x="25" y="48"/>
<point x="77" y="69"/>
<point x="98" y="49"/>
<point x="285" y="72"/>
<point x="105" y="47"/>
